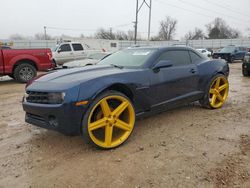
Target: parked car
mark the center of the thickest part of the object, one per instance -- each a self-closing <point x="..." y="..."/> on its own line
<point x="5" y="47"/>
<point x="68" y="51"/>
<point x="231" y="53"/>
<point x="101" y="102"/>
<point x="246" y="65"/>
<point x="91" y="59"/>
<point x="204" y="52"/>
<point x="23" y="64"/>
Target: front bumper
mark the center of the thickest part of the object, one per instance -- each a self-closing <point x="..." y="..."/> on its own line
<point x="246" y="68"/>
<point x="64" y="118"/>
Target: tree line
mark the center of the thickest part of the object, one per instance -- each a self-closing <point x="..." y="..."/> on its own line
<point x="216" y="29"/>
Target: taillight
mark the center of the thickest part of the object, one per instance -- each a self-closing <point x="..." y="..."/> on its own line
<point x="49" y="55"/>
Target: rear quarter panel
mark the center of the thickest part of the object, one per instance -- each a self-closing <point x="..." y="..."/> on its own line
<point x="209" y="69"/>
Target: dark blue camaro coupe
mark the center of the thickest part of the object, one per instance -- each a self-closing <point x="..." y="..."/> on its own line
<point x="101" y="102"/>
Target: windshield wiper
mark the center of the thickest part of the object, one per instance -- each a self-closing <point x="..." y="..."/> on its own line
<point x="117" y="66"/>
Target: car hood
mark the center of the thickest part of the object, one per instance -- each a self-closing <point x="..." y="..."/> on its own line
<point x="80" y="63"/>
<point x="80" y="74"/>
<point x="61" y="80"/>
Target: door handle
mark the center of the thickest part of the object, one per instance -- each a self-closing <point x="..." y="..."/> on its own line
<point x="192" y="71"/>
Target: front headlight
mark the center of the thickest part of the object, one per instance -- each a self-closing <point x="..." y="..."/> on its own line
<point x="44" y="97"/>
<point x="56" y="98"/>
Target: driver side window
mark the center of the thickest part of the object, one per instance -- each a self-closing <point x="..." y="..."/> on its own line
<point x="177" y="57"/>
<point x="65" y="48"/>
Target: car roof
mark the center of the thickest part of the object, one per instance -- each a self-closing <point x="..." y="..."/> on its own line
<point x="164" y="47"/>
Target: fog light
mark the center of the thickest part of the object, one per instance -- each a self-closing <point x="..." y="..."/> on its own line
<point x="53" y="121"/>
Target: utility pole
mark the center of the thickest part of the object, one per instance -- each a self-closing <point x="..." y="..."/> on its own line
<point x="45" y="35"/>
<point x="110" y="33"/>
<point x="149" y="20"/>
<point x="136" y="16"/>
<point x="136" y="20"/>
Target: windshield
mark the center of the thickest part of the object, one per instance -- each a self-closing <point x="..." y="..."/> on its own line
<point x="54" y="48"/>
<point x="97" y="56"/>
<point x="228" y="49"/>
<point x="129" y="57"/>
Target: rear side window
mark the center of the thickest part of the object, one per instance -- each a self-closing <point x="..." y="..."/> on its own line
<point x="194" y="57"/>
<point x="65" y="48"/>
<point x="178" y="57"/>
<point x="242" y="49"/>
<point x="77" y="47"/>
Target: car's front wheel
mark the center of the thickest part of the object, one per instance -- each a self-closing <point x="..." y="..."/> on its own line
<point x="216" y="93"/>
<point x="232" y="58"/>
<point x="109" y="121"/>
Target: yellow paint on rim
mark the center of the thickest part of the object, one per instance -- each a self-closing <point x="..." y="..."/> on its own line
<point x="218" y="92"/>
<point x="114" y="123"/>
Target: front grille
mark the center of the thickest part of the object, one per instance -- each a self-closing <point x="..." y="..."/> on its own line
<point x="37" y="97"/>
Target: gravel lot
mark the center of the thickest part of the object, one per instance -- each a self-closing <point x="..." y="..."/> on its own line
<point x="185" y="147"/>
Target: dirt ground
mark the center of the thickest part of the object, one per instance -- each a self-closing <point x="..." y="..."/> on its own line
<point x="185" y="147"/>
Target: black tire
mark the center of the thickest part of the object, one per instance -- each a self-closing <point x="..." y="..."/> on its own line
<point x="24" y="72"/>
<point x="84" y="126"/>
<point x="231" y="59"/>
<point x="204" y="102"/>
<point x="54" y="63"/>
<point x="11" y="75"/>
<point x="245" y="73"/>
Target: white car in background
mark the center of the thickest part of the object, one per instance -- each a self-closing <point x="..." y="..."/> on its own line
<point x="69" y="51"/>
<point x="91" y="59"/>
<point x="204" y="51"/>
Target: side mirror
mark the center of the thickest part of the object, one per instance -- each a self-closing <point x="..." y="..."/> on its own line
<point x="235" y="51"/>
<point x="59" y="50"/>
<point x="162" y="64"/>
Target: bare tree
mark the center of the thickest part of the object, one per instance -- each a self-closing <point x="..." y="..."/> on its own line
<point x="82" y="35"/>
<point x="167" y="28"/>
<point x="104" y="34"/>
<point x="195" y="35"/>
<point x="41" y="36"/>
<point x="16" y="37"/>
<point x="131" y="35"/>
<point x="121" y="35"/>
<point x="218" y="29"/>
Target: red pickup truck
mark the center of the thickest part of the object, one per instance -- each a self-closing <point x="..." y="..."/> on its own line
<point x="23" y="64"/>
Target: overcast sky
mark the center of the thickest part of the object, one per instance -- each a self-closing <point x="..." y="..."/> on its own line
<point x="28" y="17"/>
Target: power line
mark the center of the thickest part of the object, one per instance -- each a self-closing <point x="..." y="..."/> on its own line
<point x="210" y="10"/>
<point x="226" y="7"/>
<point x="188" y="10"/>
<point x="69" y="29"/>
<point x="79" y="29"/>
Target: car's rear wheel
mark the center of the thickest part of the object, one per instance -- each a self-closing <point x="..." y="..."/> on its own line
<point x="109" y="121"/>
<point x="217" y="92"/>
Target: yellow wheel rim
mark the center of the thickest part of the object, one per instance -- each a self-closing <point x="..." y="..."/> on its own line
<point x="218" y="92"/>
<point x="111" y="121"/>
